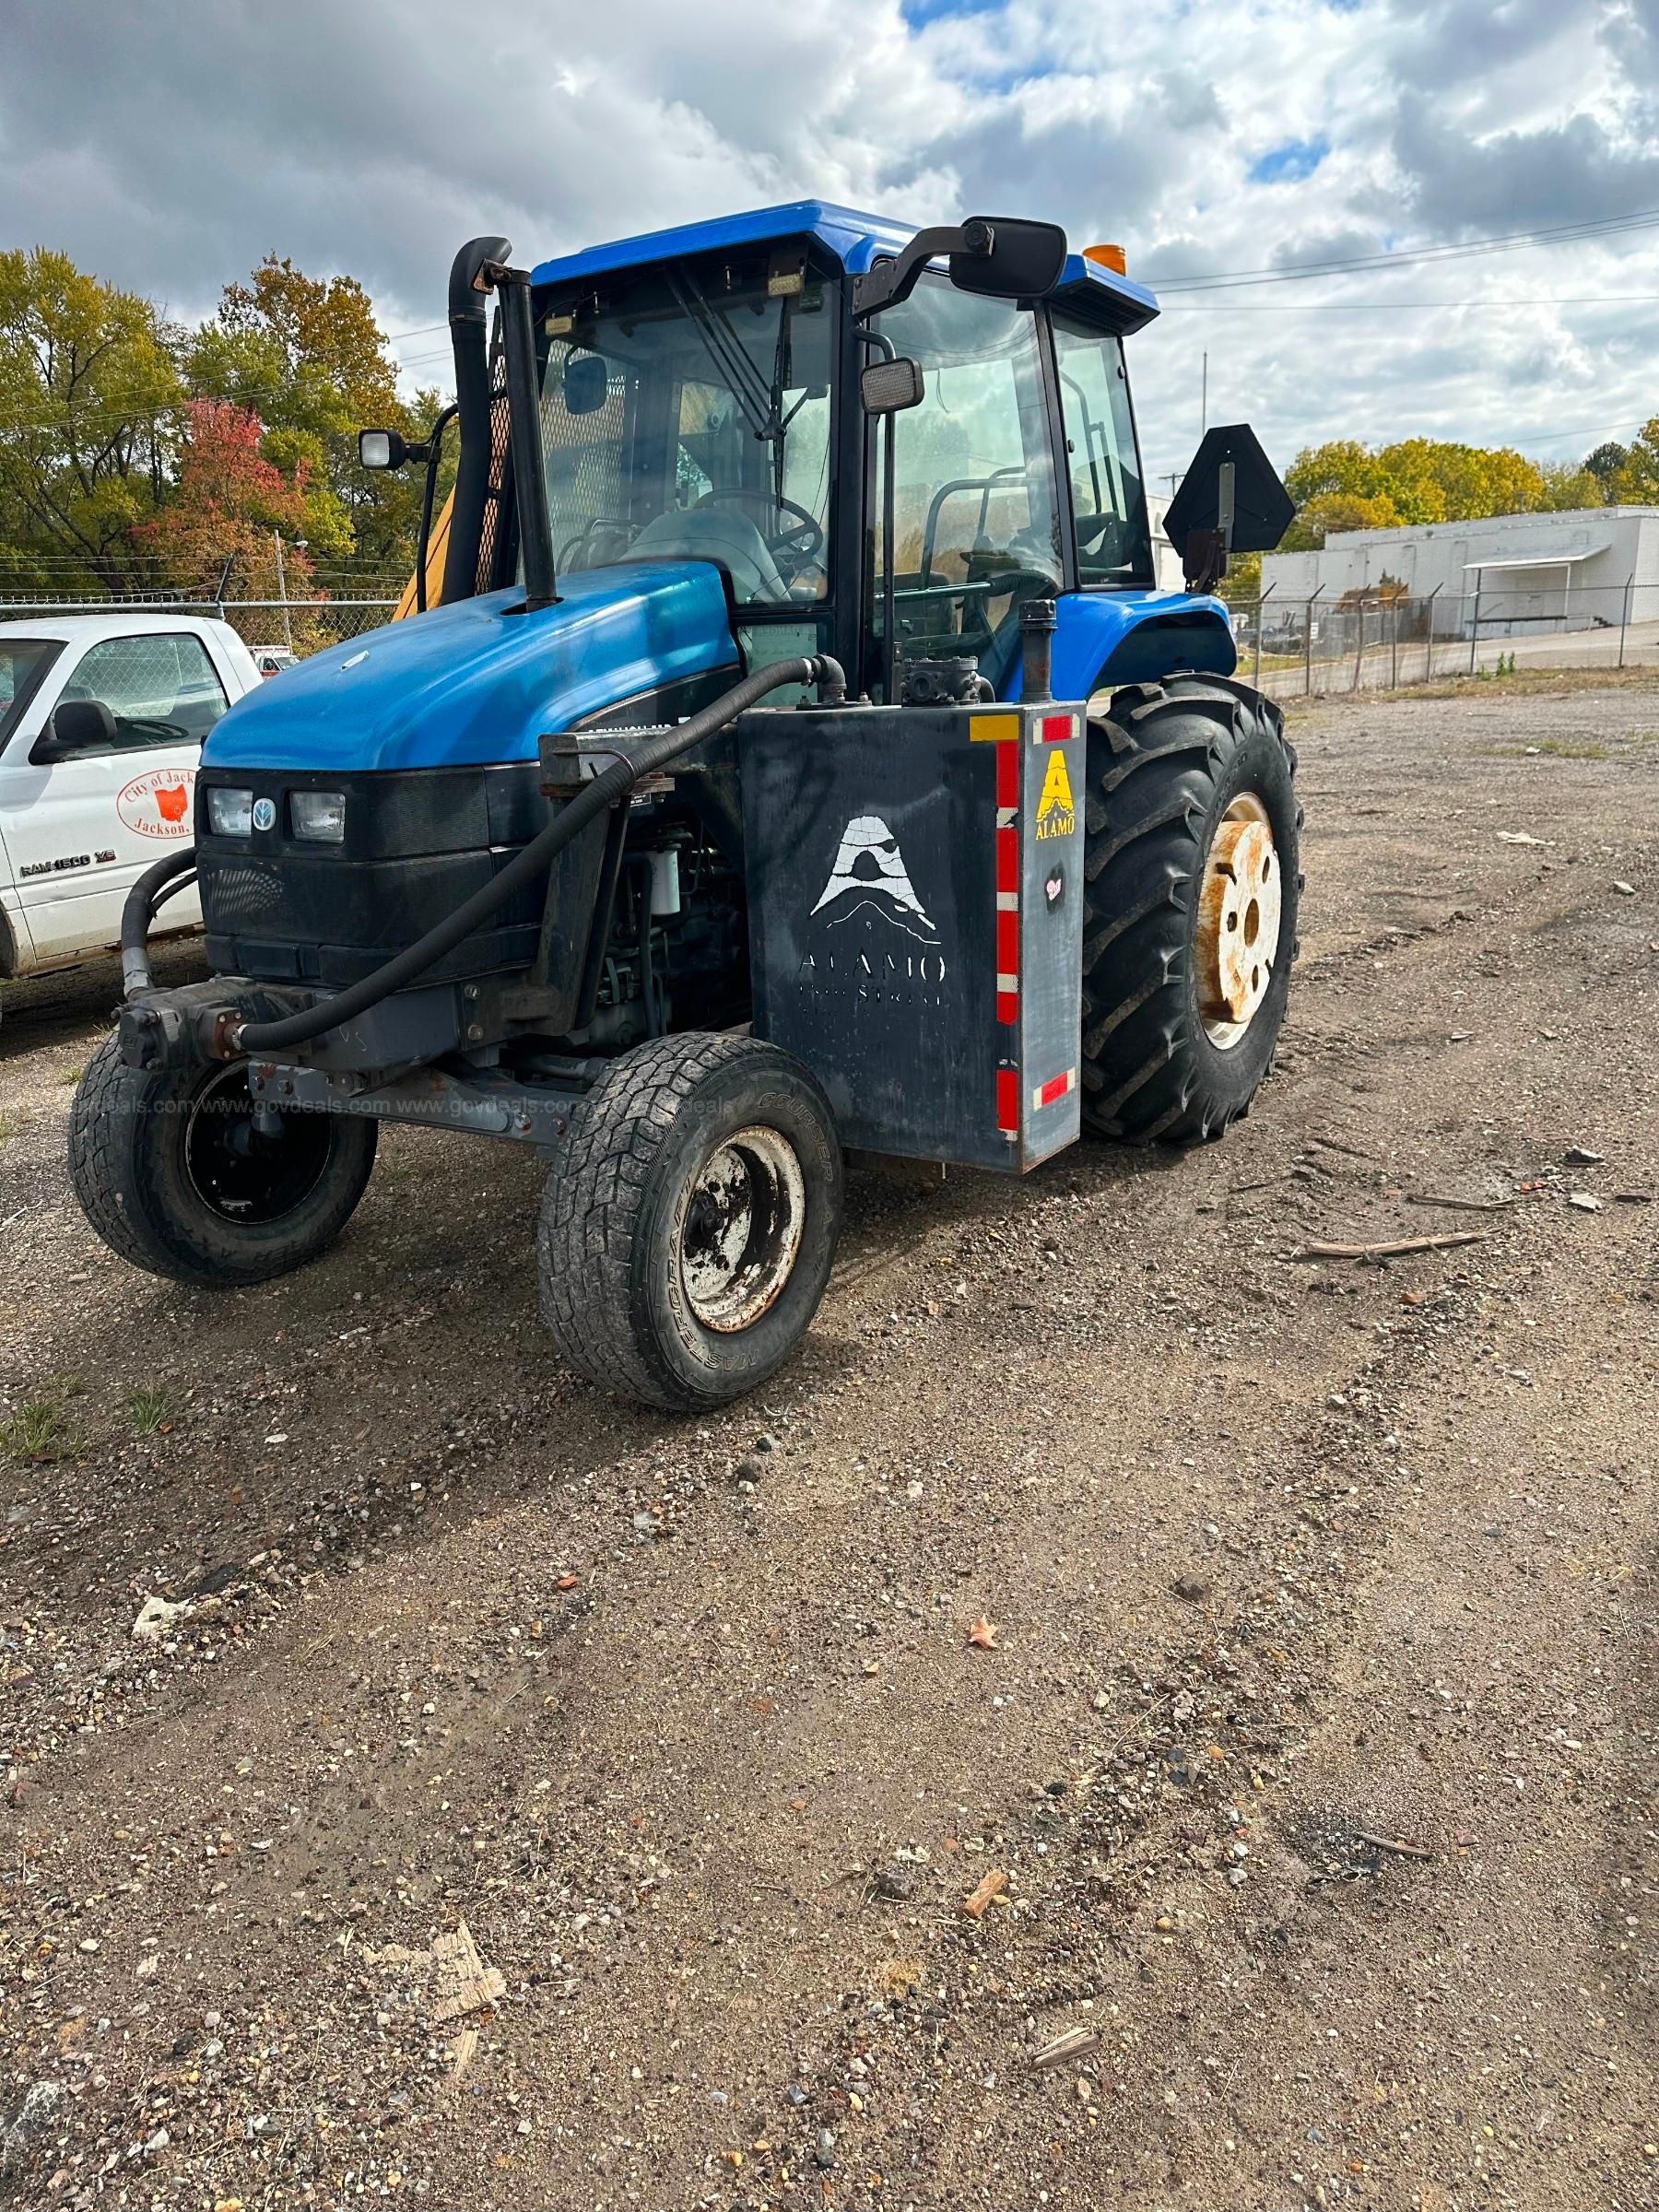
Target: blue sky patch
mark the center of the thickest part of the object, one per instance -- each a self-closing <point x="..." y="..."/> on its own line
<point x="1288" y="163"/>
<point x="917" y="13"/>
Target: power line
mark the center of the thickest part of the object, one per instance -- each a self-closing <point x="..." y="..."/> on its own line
<point x="1390" y="307"/>
<point x="1499" y="242"/>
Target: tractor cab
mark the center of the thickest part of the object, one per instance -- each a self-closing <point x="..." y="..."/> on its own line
<point x="734" y="393"/>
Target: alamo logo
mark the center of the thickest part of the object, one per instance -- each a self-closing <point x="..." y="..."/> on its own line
<point x="1056" y="816"/>
<point x="868" y="877"/>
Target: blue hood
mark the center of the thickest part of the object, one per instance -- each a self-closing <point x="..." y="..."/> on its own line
<point x="471" y="683"/>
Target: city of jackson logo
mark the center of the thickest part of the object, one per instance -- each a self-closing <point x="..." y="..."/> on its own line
<point x="869" y="878"/>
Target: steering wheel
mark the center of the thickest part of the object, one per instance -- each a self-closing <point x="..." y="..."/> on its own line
<point x="799" y="545"/>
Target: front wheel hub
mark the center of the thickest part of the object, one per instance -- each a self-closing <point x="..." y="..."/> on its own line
<point x="1236" y="944"/>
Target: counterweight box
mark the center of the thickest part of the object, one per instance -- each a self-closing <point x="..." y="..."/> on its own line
<point x="915" y="889"/>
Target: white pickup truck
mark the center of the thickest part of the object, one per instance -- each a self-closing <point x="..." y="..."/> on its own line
<point x="101" y="723"/>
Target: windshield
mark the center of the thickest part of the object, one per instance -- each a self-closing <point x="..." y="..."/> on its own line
<point x="23" y="662"/>
<point x="686" y="411"/>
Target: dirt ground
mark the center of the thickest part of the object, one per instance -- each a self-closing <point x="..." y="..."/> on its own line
<point x="1316" y="1746"/>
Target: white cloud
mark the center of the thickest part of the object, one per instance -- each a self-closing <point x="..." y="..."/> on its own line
<point x="375" y="138"/>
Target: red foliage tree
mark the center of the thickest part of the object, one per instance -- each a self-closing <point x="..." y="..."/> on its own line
<point x="227" y="500"/>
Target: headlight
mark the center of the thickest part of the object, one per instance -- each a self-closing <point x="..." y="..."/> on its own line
<point x="230" y="813"/>
<point x="318" y="815"/>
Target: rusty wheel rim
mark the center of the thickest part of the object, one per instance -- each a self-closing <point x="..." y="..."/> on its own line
<point x="740" y="1229"/>
<point x="1238" y="908"/>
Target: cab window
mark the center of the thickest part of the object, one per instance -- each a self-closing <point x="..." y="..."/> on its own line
<point x="162" y="689"/>
<point x="1109" y="500"/>
<point x="976" y="528"/>
<point x="685" y="414"/>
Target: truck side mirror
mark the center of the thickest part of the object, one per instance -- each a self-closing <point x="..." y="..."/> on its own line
<point x="1231" y="501"/>
<point x="74" y="725"/>
<point x="888" y="387"/>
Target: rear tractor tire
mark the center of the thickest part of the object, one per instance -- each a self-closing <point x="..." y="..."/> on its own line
<point x="690" y="1220"/>
<point x="176" y="1175"/>
<point x="1193" y="882"/>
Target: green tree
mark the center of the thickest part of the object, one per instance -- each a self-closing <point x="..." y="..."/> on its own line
<point x="89" y="388"/>
<point x="1568" y="486"/>
<point x="1636" y="480"/>
<point x="1603" y="463"/>
<point x="1329" y="511"/>
<point x="308" y="357"/>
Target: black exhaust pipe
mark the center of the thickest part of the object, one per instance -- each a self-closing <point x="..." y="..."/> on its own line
<point x="469" y="335"/>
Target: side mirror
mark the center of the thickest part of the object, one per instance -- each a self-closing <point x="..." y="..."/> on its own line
<point x="75" y="725"/>
<point x="1002" y="256"/>
<point x="1231" y="501"/>
<point x="888" y="387"/>
<point x="587" y="383"/>
<point x="1024" y="261"/>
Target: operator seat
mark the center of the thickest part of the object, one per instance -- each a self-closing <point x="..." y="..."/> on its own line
<point x="725" y="536"/>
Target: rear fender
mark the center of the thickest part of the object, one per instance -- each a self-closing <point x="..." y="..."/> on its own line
<point x="1102" y="639"/>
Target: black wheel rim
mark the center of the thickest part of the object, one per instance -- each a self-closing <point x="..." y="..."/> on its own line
<point x="248" y="1169"/>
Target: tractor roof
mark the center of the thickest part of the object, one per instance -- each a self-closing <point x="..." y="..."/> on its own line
<point x="856" y="240"/>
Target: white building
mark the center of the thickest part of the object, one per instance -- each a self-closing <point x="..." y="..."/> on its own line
<point x="1510" y="575"/>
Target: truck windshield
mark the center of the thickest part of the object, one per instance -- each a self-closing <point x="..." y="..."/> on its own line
<point x="686" y="411"/>
<point x="23" y="662"/>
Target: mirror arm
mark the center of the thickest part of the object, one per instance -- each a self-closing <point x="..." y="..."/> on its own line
<point x="433" y="450"/>
<point x="891" y="280"/>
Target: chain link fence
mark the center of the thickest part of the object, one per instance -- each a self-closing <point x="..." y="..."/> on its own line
<point x="1289" y="648"/>
<point x="1371" y="641"/>
<point x="286" y="627"/>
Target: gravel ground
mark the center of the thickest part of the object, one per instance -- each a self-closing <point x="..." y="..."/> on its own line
<point x="1312" y="1765"/>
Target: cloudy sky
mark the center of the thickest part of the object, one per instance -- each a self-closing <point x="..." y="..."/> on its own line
<point x="168" y="144"/>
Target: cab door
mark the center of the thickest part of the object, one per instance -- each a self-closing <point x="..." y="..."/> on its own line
<point x="80" y="831"/>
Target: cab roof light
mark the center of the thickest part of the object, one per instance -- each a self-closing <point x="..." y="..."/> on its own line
<point x="1108" y="257"/>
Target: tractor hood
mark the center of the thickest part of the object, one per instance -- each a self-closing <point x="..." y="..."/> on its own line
<point x="474" y="682"/>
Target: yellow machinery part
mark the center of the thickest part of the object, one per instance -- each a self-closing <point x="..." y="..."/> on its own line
<point x="436" y="549"/>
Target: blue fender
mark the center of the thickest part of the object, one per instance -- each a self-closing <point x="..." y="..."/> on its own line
<point x="473" y="683"/>
<point x="1102" y="639"/>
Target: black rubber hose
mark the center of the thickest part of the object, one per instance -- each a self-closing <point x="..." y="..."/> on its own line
<point x="593" y="799"/>
<point x="138" y="910"/>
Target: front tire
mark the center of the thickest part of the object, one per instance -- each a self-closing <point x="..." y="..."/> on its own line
<point x="1191" y="798"/>
<point x="174" y="1171"/>
<point x="689" y="1225"/>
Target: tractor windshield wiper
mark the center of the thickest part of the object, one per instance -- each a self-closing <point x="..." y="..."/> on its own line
<point x="744" y="380"/>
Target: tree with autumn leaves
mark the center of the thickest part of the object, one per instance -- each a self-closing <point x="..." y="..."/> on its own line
<point x="136" y="455"/>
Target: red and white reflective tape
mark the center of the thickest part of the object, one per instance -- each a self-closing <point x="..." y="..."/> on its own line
<point x="1057" y="1087"/>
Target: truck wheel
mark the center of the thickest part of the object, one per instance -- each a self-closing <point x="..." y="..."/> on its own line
<point x="690" y="1224"/>
<point x="173" y="1173"/>
<point x="1190" y="921"/>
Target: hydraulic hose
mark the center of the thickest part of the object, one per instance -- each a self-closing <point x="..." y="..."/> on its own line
<point x="594" y="800"/>
<point x="157" y="883"/>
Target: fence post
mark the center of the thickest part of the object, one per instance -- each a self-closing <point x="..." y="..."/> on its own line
<point x="1624" y="617"/>
<point x="1308" y="648"/>
<point x="1429" y="648"/>
<point x="1474" y="620"/>
<point x="1394" y="645"/>
<point x="1359" y="648"/>
<point x="1255" y="675"/>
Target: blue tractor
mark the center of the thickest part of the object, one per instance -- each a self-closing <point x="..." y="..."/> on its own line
<point x="1008" y="853"/>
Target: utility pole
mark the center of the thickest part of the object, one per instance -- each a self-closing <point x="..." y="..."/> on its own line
<point x="1204" y="398"/>
<point x="287" y="626"/>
